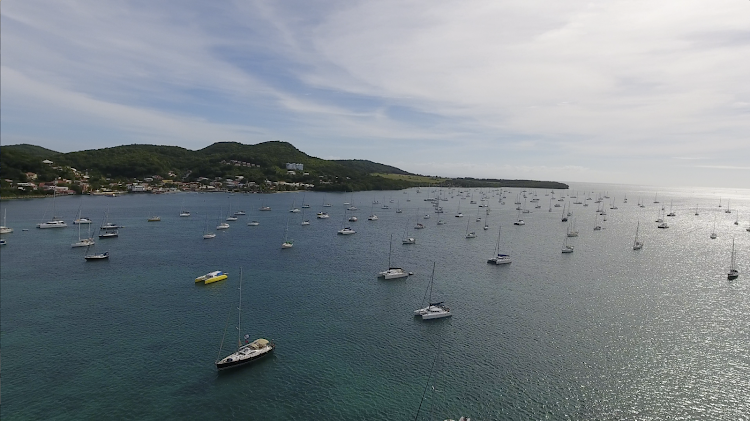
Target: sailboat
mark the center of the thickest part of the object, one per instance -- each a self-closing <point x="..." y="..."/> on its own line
<point x="248" y="352"/>
<point x="436" y="310"/>
<point x="564" y="215"/>
<point x="95" y="256"/>
<point x="208" y="235"/>
<point x="519" y="221"/>
<point x="230" y="215"/>
<point x="287" y="244"/>
<point x="346" y="230"/>
<point x="733" y="272"/>
<point x="597" y="227"/>
<point x="392" y="272"/>
<point x="56" y="222"/>
<point x="184" y="213"/>
<point x="572" y="232"/>
<point x="499" y="258"/>
<point x="4" y="229"/>
<point x="637" y="245"/>
<point x="108" y="229"/>
<point x="728" y="210"/>
<point x="293" y="209"/>
<point x="83" y="242"/>
<point x="567" y="248"/>
<point x="713" y="233"/>
<point x="469" y="234"/>
<point x="304" y="221"/>
<point x="737" y="220"/>
<point x="696" y="209"/>
<point x="670" y="210"/>
<point x="372" y="216"/>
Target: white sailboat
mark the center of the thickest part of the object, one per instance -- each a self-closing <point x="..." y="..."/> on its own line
<point x="471" y="234"/>
<point x="392" y="272"/>
<point x="572" y="232"/>
<point x="248" y="352"/>
<point x="499" y="258"/>
<point x="4" y="229"/>
<point x="207" y="235"/>
<point x="346" y="230"/>
<point x="519" y="221"/>
<point x="435" y="310"/>
<point x="713" y="233"/>
<point x="108" y="229"/>
<point x="733" y="271"/>
<point x="55" y="222"/>
<point x="184" y="213"/>
<point x="83" y="242"/>
<point x="566" y="247"/>
<point x="287" y="244"/>
<point x="637" y="245"/>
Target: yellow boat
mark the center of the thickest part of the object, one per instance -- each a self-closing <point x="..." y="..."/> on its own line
<point x="212" y="277"/>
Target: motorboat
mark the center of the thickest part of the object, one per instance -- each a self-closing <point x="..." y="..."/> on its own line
<point x="222" y="226"/>
<point x="409" y="240"/>
<point x="54" y="223"/>
<point x="322" y="215"/>
<point x="82" y="220"/>
<point x="97" y="256"/>
<point x="212" y="277"/>
<point x="253" y="223"/>
<point x="346" y="231"/>
<point x="394" y="273"/>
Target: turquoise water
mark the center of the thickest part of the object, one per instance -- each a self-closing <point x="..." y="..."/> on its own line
<point x="603" y="333"/>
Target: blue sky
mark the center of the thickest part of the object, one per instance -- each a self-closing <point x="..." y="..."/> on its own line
<point x="635" y="92"/>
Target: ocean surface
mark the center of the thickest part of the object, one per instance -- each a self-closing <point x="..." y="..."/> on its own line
<point x="603" y="333"/>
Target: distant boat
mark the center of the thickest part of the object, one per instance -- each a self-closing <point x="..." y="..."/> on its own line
<point x="392" y="272"/>
<point x="211" y="277"/>
<point x="322" y="215"/>
<point x="499" y="258"/>
<point x="733" y="271"/>
<point x="184" y="213"/>
<point x="253" y="223"/>
<point x="55" y="222"/>
<point x="566" y="247"/>
<point x="248" y="352"/>
<point x="572" y="232"/>
<point x="670" y="210"/>
<point x="154" y="219"/>
<point x="433" y="310"/>
<point x="713" y="233"/>
<point x="84" y="242"/>
<point x="287" y="244"/>
<point x="95" y="256"/>
<point x="4" y="229"/>
<point x="519" y="221"/>
<point x="637" y="245"/>
<point x="108" y="229"/>
<point x="207" y="235"/>
<point x="471" y="234"/>
<point x="728" y="210"/>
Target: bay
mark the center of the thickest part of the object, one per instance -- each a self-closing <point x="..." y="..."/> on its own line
<point x="603" y="333"/>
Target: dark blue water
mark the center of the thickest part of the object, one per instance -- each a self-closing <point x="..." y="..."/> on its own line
<point x="603" y="333"/>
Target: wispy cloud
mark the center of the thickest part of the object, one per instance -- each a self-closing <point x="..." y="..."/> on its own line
<point x="550" y="86"/>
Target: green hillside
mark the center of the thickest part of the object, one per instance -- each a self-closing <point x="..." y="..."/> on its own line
<point x="262" y="166"/>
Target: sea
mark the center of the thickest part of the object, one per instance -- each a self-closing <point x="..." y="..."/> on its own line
<point x="603" y="333"/>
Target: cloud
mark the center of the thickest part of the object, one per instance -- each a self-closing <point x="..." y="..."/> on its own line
<point x="549" y="86"/>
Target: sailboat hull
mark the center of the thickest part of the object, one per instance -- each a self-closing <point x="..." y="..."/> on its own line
<point x="244" y="356"/>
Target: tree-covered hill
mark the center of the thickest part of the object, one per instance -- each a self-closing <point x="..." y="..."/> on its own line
<point x="261" y="164"/>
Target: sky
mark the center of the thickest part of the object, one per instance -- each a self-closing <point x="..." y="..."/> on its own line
<point x="630" y="92"/>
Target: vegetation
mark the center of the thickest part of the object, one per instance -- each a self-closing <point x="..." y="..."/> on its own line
<point x="223" y="165"/>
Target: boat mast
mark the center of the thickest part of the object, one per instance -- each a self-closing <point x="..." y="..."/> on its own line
<point x="390" y="248"/>
<point x="239" y="316"/>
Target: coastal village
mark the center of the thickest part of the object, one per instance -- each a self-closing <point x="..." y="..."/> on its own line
<point x="71" y="181"/>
